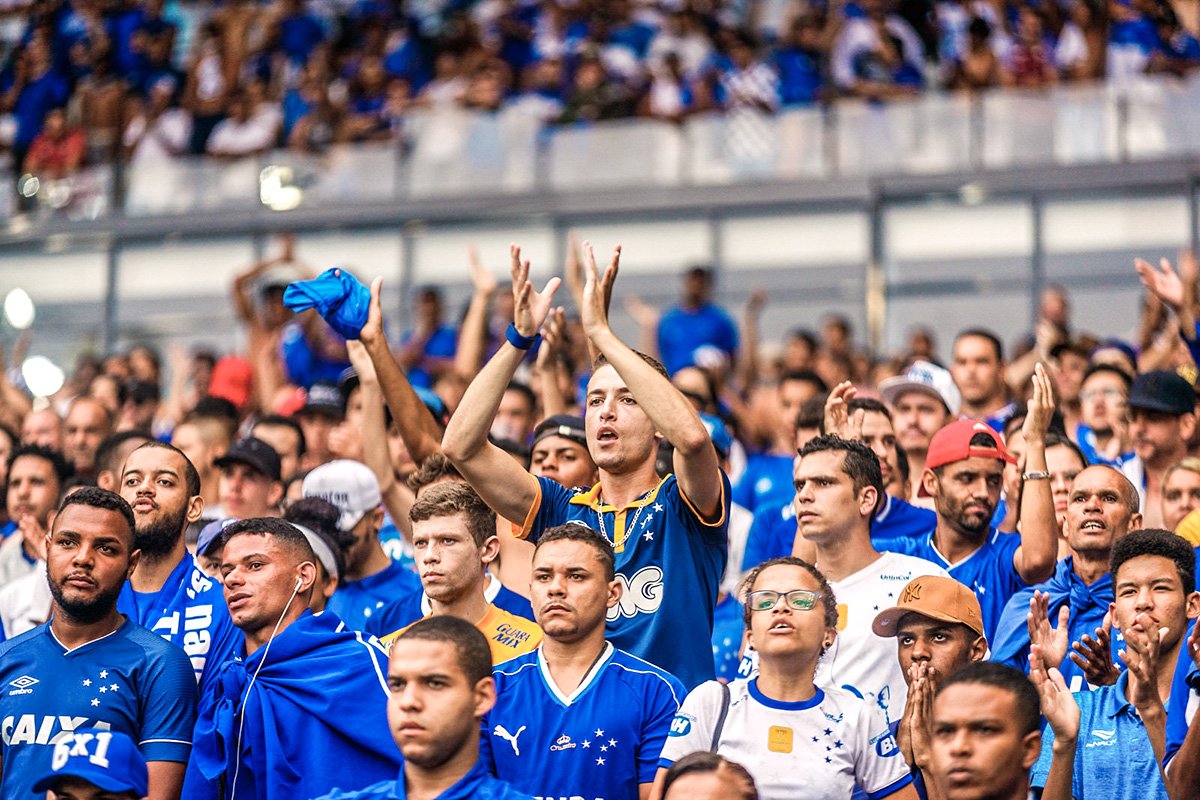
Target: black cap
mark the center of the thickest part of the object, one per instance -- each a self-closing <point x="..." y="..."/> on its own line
<point x="563" y="425"/>
<point x="1161" y="390"/>
<point x="324" y="398"/>
<point x="253" y="453"/>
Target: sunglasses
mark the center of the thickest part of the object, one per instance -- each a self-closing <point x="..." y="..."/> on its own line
<point x="798" y="599"/>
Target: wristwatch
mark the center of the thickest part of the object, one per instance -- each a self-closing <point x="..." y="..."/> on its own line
<point x="1036" y="475"/>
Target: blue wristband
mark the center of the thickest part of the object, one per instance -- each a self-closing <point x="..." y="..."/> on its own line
<point x="517" y="340"/>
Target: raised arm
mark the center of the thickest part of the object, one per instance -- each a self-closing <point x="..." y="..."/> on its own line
<point x="472" y="335"/>
<point x="695" y="460"/>
<point x="397" y="498"/>
<point x="418" y="428"/>
<point x="1034" y="559"/>
<point x="500" y="481"/>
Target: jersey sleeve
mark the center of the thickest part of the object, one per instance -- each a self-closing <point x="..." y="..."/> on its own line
<point x="168" y="708"/>
<point x="485" y="744"/>
<point x="714" y="531"/>
<point x="879" y="768"/>
<point x="548" y="509"/>
<point x="662" y="706"/>
<point x="693" y="725"/>
<point x="1182" y="705"/>
<point x="758" y="540"/>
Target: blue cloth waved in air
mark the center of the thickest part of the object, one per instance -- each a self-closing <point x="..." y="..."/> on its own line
<point x="339" y="297"/>
<point x="315" y="718"/>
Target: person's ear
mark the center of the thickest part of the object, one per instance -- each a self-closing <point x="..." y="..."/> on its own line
<point x="195" y="509"/>
<point x="490" y="550"/>
<point x="1187" y="426"/>
<point x="868" y="501"/>
<point x="1031" y="748"/>
<point x="979" y="649"/>
<point x="306" y="575"/>
<point x="275" y="496"/>
<point x="377" y="519"/>
<point x="929" y="481"/>
<point x="134" y="558"/>
<point x="485" y="696"/>
<point x="1192" y="604"/>
<point x="1135" y="521"/>
<point x="615" y="590"/>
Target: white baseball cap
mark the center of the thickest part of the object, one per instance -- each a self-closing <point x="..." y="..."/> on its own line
<point x="349" y="485"/>
<point x="928" y="379"/>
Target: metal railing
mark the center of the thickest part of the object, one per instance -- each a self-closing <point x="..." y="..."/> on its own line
<point x="458" y="153"/>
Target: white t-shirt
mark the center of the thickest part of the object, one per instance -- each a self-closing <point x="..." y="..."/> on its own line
<point x="814" y="750"/>
<point x="859" y="660"/>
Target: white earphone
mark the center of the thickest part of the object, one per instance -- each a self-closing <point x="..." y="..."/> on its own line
<point x="299" y="583"/>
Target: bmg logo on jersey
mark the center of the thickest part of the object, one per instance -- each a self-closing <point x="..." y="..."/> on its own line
<point x="23" y="685"/>
<point x="641" y="594"/>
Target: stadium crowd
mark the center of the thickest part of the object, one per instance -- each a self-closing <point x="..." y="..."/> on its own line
<point x="148" y="80"/>
<point x="515" y="557"/>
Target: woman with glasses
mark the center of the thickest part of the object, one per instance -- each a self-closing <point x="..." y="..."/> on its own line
<point x="799" y="741"/>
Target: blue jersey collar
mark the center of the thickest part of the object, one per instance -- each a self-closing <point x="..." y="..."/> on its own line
<point x="779" y="705"/>
<point x="466" y="787"/>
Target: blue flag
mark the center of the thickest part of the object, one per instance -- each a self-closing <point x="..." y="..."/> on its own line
<point x="314" y="720"/>
<point x="338" y="297"/>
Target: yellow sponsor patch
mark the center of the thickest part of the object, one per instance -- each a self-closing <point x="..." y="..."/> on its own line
<point x="779" y="739"/>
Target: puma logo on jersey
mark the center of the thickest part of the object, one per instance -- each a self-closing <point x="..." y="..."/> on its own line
<point x="511" y="738"/>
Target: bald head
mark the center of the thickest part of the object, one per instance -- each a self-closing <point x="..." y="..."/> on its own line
<point x="43" y="428"/>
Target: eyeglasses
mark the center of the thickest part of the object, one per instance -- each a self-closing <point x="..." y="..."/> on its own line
<point x="1107" y="394"/>
<point x="798" y="599"/>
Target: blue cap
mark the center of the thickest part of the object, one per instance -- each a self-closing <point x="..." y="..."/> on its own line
<point x="109" y="760"/>
<point x="210" y="532"/>
<point x="722" y="439"/>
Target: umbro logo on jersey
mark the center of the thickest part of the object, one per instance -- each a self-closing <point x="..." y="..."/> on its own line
<point x="22" y="685"/>
<point x="1102" y="738"/>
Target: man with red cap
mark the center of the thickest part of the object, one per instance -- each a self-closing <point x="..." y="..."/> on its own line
<point x="964" y="470"/>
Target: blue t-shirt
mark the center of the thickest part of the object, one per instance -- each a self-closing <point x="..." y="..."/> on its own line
<point x="129" y="681"/>
<point x="989" y="571"/>
<point x="475" y="785"/>
<point x="415" y="605"/>
<point x="190" y="613"/>
<point x="602" y="740"/>
<point x="728" y="627"/>
<point x="1114" y="758"/>
<point x="773" y="530"/>
<point x="355" y="602"/>
<point x="442" y="344"/>
<point x="1184" y="700"/>
<point x="1086" y="438"/>
<point x="766" y="481"/>
<point x="681" y="331"/>
<point x="669" y="563"/>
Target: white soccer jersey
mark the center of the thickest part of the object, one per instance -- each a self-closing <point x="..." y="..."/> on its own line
<point x="859" y="660"/>
<point x="819" y="749"/>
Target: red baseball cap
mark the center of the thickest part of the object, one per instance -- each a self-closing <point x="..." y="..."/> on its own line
<point x="953" y="443"/>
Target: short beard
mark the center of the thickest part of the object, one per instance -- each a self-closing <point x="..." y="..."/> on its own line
<point x="157" y="539"/>
<point x="89" y="612"/>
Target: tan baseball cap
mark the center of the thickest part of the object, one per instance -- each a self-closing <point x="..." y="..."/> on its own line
<point x="938" y="598"/>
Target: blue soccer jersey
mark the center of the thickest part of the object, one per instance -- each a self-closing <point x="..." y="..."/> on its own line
<point x="773" y="531"/>
<point x="190" y="613"/>
<point x="989" y="571"/>
<point x="1184" y="701"/>
<point x="475" y="785"/>
<point x="669" y="563"/>
<point x="129" y="681"/>
<point x="356" y="601"/>
<point x="601" y="741"/>
<point x="415" y="605"/>
<point x="766" y="481"/>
